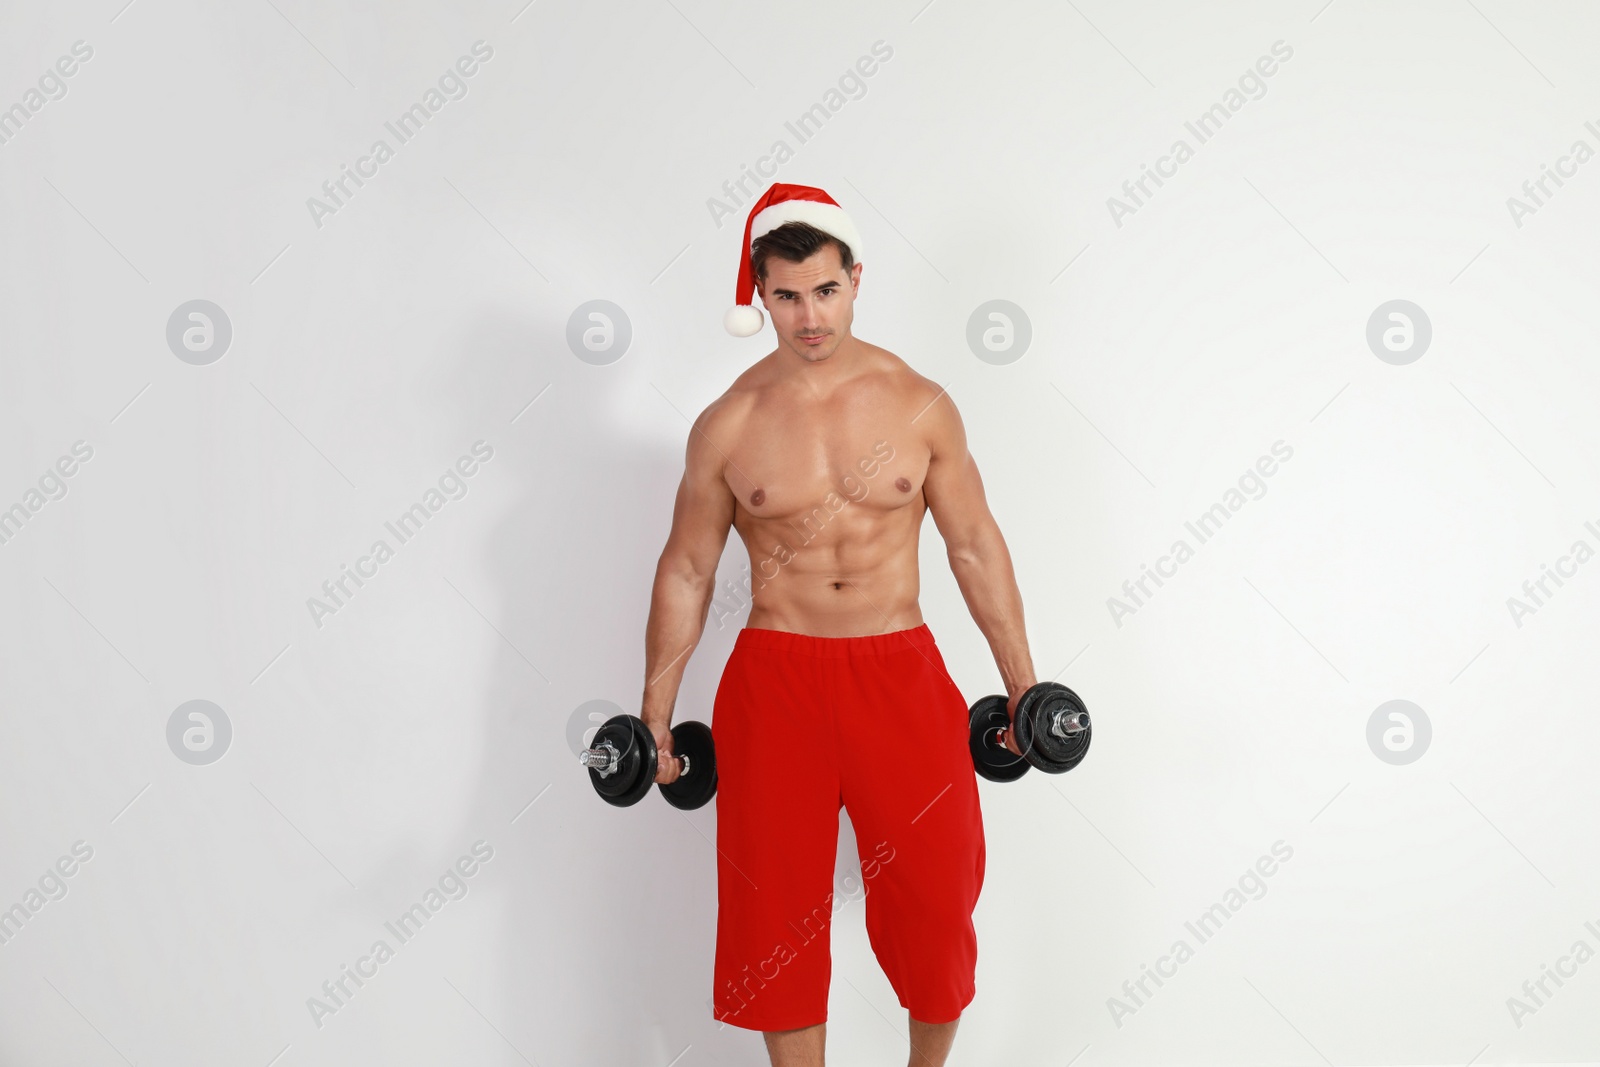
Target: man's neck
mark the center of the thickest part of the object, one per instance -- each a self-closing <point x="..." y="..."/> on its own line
<point x="823" y="374"/>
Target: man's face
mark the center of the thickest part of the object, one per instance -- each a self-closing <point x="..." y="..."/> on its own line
<point x="812" y="303"/>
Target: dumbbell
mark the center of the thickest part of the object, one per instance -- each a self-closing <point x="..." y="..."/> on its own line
<point x="622" y="761"/>
<point x="1052" y="727"/>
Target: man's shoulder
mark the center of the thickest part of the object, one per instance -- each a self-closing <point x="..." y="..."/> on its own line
<point x="916" y="388"/>
<point x="729" y="410"/>
<point x="931" y="410"/>
<point x="750" y="381"/>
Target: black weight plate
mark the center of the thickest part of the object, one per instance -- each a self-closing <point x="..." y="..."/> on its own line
<point x="1044" y="748"/>
<point x="636" y="767"/>
<point x="994" y="761"/>
<point x="693" y="790"/>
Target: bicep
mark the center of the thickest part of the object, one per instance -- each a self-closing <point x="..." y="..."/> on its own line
<point x="703" y="511"/>
<point x="953" y="487"/>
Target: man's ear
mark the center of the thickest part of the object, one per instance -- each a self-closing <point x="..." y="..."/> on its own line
<point x="855" y="280"/>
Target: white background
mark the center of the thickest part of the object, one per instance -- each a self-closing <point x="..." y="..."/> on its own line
<point x="433" y="709"/>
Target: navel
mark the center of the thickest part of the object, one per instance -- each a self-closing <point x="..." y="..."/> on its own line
<point x="758" y="498"/>
<point x="903" y="485"/>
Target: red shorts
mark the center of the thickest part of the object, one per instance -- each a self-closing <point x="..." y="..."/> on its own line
<point x="874" y="724"/>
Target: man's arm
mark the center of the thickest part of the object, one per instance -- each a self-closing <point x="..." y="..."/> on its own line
<point x="978" y="554"/>
<point x="685" y="574"/>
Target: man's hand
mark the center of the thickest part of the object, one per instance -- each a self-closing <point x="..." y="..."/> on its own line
<point x="668" y="767"/>
<point x="1011" y="717"/>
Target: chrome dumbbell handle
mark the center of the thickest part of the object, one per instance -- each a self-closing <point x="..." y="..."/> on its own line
<point x="604" y="758"/>
<point x="1064" y="723"/>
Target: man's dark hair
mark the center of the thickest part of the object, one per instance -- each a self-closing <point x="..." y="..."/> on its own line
<point x="795" y="242"/>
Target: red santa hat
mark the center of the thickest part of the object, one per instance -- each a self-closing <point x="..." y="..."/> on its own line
<point x="778" y="205"/>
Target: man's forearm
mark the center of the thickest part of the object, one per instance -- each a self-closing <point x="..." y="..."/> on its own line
<point x="679" y="602"/>
<point x="983" y="570"/>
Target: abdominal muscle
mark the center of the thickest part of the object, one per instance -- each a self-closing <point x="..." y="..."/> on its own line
<point x="857" y="575"/>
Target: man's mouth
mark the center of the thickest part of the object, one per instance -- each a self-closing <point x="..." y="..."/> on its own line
<point x="817" y="340"/>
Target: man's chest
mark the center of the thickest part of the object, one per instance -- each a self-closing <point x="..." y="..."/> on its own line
<point x="780" y="468"/>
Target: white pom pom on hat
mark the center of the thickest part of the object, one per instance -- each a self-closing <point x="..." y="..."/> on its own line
<point x="743" y="320"/>
<point x="780" y="204"/>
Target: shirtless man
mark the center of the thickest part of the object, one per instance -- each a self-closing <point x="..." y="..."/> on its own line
<point x="824" y="455"/>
